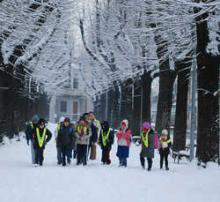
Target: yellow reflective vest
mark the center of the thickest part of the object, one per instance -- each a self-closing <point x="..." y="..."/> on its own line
<point x="144" y="138"/>
<point x="41" y="138"/>
<point x="105" y="137"/>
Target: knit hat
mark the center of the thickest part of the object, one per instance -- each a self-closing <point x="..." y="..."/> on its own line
<point x="164" y="132"/>
<point x="41" y="121"/>
<point x="61" y="119"/>
<point x="105" y="125"/>
<point x="67" y="120"/>
<point x="35" y="119"/>
<point x="146" y="125"/>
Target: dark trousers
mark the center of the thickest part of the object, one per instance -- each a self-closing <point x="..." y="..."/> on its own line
<point x="82" y="154"/>
<point x="164" y="156"/>
<point x="39" y="156"/>
<point x="123" y="162"/>
<point x="59" y="158"/>
<point x="65" y="153"/>
<point x="106" y="155"/>
<point x="149" y="162"/>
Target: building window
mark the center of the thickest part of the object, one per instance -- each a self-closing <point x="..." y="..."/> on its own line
<point x="63" y="106"/>
<point x="75" y="83"/>
<point x="75" y="107"/>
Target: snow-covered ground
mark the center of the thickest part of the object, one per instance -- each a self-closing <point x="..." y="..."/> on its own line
<point x="21" y="182"/>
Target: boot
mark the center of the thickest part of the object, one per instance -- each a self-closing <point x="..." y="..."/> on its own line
<point x="142" y="160"/>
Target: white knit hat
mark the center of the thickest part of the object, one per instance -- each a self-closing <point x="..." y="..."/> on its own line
<point x="165" y="132"/>
<point x="61" y="119"/>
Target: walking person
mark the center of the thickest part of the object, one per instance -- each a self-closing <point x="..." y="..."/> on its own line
<point x="124" y="140"/>
<point x="30" y="127"/>
<point x="65" y="141"/>
<point x="164" y="150"/>
<point x="106" y="139"/>
<point x="147" y="145"/>
<point x="95" y="129"/>
<point x="83" y="134"/>
<point x="58" y="126"/>
<point x="41" y="136"/>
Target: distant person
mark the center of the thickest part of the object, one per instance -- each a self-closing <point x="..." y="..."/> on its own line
<point x="58" y="126"/>
<point x="83" y="134"/>
<point x="95" y="129"/>
<point x="30" y="127"/>
<point x="41" y="136"/>
<point x="124" y="140"/>
<point x="106" y="139"/>
<point x="147" y="145"/>
<point x="65" y="141"/>
<point x="164" y="150"/>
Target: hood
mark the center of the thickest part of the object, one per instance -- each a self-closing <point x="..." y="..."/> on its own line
<point x="126" y="123"/>
<point x="146" y="125"/>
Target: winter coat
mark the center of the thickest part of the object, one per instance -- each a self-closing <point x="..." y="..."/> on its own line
<point x="83" y="138"/>
<point x="94" y="133"/>
<point x="148" y="151"/>
<point x="109" y="141"/>
<point x="65" y="136"/>
<point x="29" y="131"/>
<point x="165" y="149"/>
<point x="124" y="137"/>
<point x="35" y="139"/>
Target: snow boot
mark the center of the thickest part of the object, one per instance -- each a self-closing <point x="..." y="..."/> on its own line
<point x="142" y="160"/>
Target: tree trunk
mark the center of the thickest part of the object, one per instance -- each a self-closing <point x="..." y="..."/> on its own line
<point x="126" y="105"/>
<point x="181" y="105"/>
<point x="164" y="105"/>
<point x="167" y="78"/>
<point x="136" y="115"/>
<point x="208" y="99"/>
<point x="146" y="96"/>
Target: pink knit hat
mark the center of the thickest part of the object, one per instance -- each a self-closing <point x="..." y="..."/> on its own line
<point x="146" y="125"/>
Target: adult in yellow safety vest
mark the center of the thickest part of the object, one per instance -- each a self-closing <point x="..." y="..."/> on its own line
<point x="164" y="150"/>
<point x="147" y="142"/>
<point x="106" y="139"/>
<point x="41" y="135"/>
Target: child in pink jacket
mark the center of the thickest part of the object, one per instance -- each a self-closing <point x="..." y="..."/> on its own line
<point x="124" y="140"/>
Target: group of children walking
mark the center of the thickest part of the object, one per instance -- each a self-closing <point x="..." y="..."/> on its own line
<point x="79" y="141"/>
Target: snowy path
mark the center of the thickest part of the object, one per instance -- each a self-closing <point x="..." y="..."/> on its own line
<point x="21" y="182"/>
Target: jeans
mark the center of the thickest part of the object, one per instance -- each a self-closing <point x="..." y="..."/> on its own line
<point x="82" y="154"/>
<point x="59" y="158"/>
<point x="32" y="153"/>
<point x="39" y="158"/>
<point x="65" y="154"/>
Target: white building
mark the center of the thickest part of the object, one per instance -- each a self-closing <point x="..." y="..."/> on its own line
<point x="70" y="101"/>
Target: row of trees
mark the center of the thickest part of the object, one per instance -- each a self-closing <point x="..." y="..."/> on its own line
<point x="22" y="91"/>
<point x="130" y="43"/>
